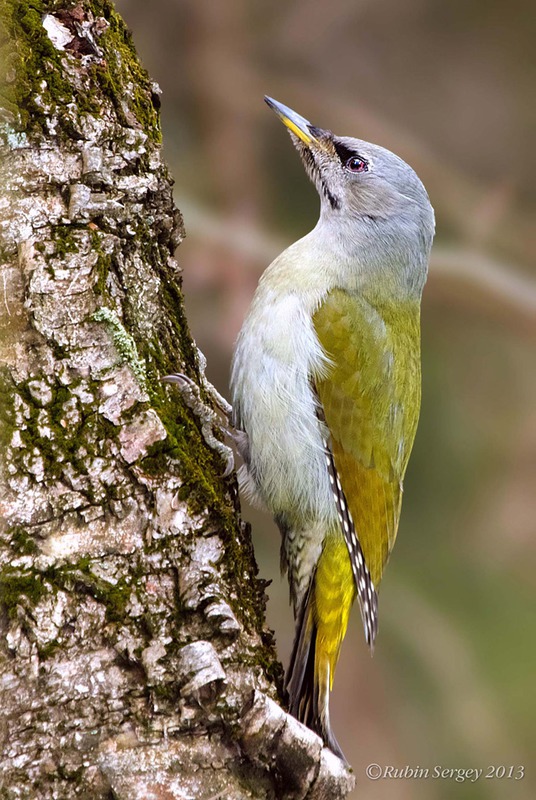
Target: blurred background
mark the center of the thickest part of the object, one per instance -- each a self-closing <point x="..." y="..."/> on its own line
<point x="450" y="87"/>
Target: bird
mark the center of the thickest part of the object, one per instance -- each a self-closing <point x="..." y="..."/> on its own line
<point x="326" y="393"/>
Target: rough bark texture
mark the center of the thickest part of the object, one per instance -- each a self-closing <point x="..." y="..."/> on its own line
<point x="134" y="661"/>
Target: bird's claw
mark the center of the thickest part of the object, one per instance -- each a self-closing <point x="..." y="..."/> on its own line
<point x="208" y="418"/>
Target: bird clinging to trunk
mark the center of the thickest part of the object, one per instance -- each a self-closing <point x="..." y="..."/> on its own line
<point x="326" y="385"/>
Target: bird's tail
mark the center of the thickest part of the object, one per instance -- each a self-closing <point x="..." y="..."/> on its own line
<point x="321" y="625"/>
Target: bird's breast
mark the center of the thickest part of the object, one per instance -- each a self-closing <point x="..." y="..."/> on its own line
<point x="277" y="353"/>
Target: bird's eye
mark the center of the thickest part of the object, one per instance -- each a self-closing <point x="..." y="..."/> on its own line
<point x="356" y="164"/>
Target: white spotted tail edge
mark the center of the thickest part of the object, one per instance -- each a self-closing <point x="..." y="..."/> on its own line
<point x="366" y="593"/>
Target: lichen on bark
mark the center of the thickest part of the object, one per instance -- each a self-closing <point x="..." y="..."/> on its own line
<point x="133" y="650"/>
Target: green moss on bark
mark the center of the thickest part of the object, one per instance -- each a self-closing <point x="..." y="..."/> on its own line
<point x="124" y="70"/>
<point x="7" y="409"/>
<point x="40" y="88"/>
<point x="20" y="588"/>
<point x="22" y="541"/>
<point x="114" y="597"/>
<point x="29" y="587"/>
<point x="65" y="238"/>
<point x="37" y="82"/>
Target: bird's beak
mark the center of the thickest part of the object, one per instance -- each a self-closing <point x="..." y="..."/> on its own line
<point x="298" y="125"/>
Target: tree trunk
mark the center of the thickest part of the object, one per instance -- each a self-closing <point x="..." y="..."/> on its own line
<point x="134" y="658"/>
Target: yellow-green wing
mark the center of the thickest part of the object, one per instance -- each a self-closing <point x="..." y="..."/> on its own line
<point x="370" y="399"/>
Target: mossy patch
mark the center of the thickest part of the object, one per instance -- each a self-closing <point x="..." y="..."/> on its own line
<point x="7" y="408"/>
<point x="203" y="487"/>
<point x="29" y="587"/>
<point x="68" y="446"/>
<point x="65" y="239"/>
<point x="39" y="87"/>
<point x="37" y="83"/>
<point x="22" y="541"/>
<point x="114" y="597"/>
<point x="124" y="72"/>
<point x="20" y="588"/>
<point x="102" y="267"/>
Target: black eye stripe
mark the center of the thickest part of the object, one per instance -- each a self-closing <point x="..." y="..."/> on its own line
<point x="345" y="153"/>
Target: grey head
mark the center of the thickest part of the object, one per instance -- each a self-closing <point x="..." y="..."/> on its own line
<point x="369" y="196"/>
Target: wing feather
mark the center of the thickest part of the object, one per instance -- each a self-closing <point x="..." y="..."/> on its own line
<point x="370" y="401"/>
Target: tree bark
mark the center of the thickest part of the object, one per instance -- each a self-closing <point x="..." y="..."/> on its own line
<point x="134" y="657"/>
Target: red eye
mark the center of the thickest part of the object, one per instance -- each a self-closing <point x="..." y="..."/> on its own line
<point x="356" y="164"/>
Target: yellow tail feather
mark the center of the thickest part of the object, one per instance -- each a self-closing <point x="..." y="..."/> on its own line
<point x="320" y="629"/>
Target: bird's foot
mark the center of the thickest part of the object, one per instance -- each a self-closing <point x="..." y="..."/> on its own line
<point x="208" y="418"/>
<point x="219" y="401"/>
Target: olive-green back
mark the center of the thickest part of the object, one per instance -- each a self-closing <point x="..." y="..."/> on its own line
<point x="371" y="401"/>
